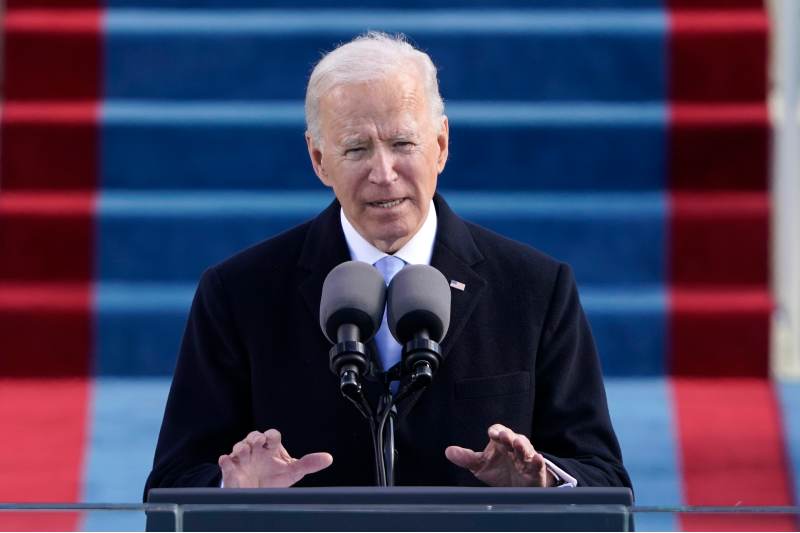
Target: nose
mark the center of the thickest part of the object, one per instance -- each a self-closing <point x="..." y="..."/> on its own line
<point x="382" y="170"/>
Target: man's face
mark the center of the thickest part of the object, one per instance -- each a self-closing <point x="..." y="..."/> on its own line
<point x="381" y="152"/>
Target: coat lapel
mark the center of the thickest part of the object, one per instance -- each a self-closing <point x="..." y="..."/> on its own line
<point x="454" y="255"/>
<point x="324" y="248"/>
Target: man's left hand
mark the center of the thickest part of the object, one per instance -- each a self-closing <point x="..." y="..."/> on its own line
<point x="509" y="460"/>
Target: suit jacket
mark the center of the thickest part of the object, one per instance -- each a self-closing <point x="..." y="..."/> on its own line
<point x="519" y="351"/>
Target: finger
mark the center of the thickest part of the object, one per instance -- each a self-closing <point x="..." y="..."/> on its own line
<point x="495" y="429"/>
<point x="535" y="468"/>
<point x="464" y="457"/>
<point x="256" y="440"/>
<point x="539" y="469"/>
<point x="227" y="466"/>
<point x="272" y="438"/>
<point x="252" y="435"/>
<point x="240" y="449"/>
<point x="523" y="449"/>
<point x="313" y="462"/>
<point x="538" y="463"/>
<point x="502" y="437"/>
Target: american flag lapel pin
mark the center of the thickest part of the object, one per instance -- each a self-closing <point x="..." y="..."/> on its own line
<point x="457" y="285"/>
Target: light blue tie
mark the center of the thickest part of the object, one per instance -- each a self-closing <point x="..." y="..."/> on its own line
<point x="388" y="348"/>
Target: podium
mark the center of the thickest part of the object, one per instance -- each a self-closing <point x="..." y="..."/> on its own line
<point x="393" y="509"/>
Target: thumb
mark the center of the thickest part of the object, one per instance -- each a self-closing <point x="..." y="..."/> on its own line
<point x="463" y="457"/>
<point x="313" y="462"/>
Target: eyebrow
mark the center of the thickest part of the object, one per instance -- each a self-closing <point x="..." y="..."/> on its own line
<point x="357" y="140"/>
<point x="353" y="140"/>
<point x="404" y="134"/>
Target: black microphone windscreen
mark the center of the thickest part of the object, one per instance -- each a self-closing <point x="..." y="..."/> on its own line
<point x="418" y="298"/>
<point x="353" y="293"/>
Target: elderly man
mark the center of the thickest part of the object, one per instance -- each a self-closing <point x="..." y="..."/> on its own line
<point x="518" y="399"/>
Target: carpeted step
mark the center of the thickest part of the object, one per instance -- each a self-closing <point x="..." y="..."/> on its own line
<point x="52" y="53"/>
<point x="196" y="54"/>
<point x="173" y="236"/>
<point x="520" y="146"/>
<point x="493" y="145"/>
<point x="46" y="236"/>
<point x="644" y="421"/>
<point x="126" y="417"/>
<point x="718" y="147"/>
<point x="38" y="416"/>
<point x="366" y="4"/>
<point x="719" y="239"/>
<point x="49" y="146"/>
<point x="609" y="238"/>
<point x="790" y="406"/>
<point x="732" y="452"/>
<point x="45" y="329"/>
<point x="719" y="332"/>
<point x="588" y="54"/>
<point x="711" y="48"/>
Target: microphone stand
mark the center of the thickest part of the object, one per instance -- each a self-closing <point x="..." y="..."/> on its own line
<point x="385" y="434"/>
<point x="387" y="414"/>
<point x="356" y="397"/>
<point x="348" y="360"/>
<point x="423" y="358"/>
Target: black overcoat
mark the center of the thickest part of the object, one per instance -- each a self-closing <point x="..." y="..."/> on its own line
<point x="519" y="352"/>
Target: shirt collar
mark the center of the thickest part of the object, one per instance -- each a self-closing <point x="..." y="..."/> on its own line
<point x="417" y="251"/>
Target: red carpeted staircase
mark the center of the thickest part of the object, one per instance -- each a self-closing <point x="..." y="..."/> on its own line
<point x="48" y="170"/>
<point x="728" y="418"/>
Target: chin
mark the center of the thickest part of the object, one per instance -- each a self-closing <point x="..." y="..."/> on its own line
<point x="390" y="242"/>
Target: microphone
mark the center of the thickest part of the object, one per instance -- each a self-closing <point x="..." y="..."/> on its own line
<point x="418" y="308"/>
<point x="350" y="313"/>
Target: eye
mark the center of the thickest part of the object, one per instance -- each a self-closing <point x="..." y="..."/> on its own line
<point x="404" y="145"/>
<point x="354" y="152"/>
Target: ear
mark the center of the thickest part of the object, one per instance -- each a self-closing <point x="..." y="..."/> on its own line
<point x="443" y="140"/>
<point x="315" y="153"/>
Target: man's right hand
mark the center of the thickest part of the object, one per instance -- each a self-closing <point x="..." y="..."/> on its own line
<point x="260" y="460"/>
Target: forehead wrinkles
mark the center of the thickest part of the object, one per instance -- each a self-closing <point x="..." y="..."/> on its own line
<point x="378" y="104"/>
<point x="366" y="131"/>
<point x="347" y="130"/>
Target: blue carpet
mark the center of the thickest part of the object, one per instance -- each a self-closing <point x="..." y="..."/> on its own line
<point x="790" y="407"/>
<point x="641" y="410"/>
<point x="126" y="417"/>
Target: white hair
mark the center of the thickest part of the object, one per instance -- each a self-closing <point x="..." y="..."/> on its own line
<point x="372" y="56"/>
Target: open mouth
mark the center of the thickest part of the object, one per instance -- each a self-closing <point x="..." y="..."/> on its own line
<point x="387" y="204"/>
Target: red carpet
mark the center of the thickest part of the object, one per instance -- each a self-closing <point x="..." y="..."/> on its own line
<point x="718" y="332"/>
<point x="51" y="86"/>
<point x="41" y="459"/>
<point x="45" y="329"/>
<point x="41" y="230"/>
<point x="732" y="452"/>
<point x="52" y="54"/>
<point x="49" y="145"/>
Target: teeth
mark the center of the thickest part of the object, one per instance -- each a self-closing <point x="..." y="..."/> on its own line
<point x="391" y="203"/>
